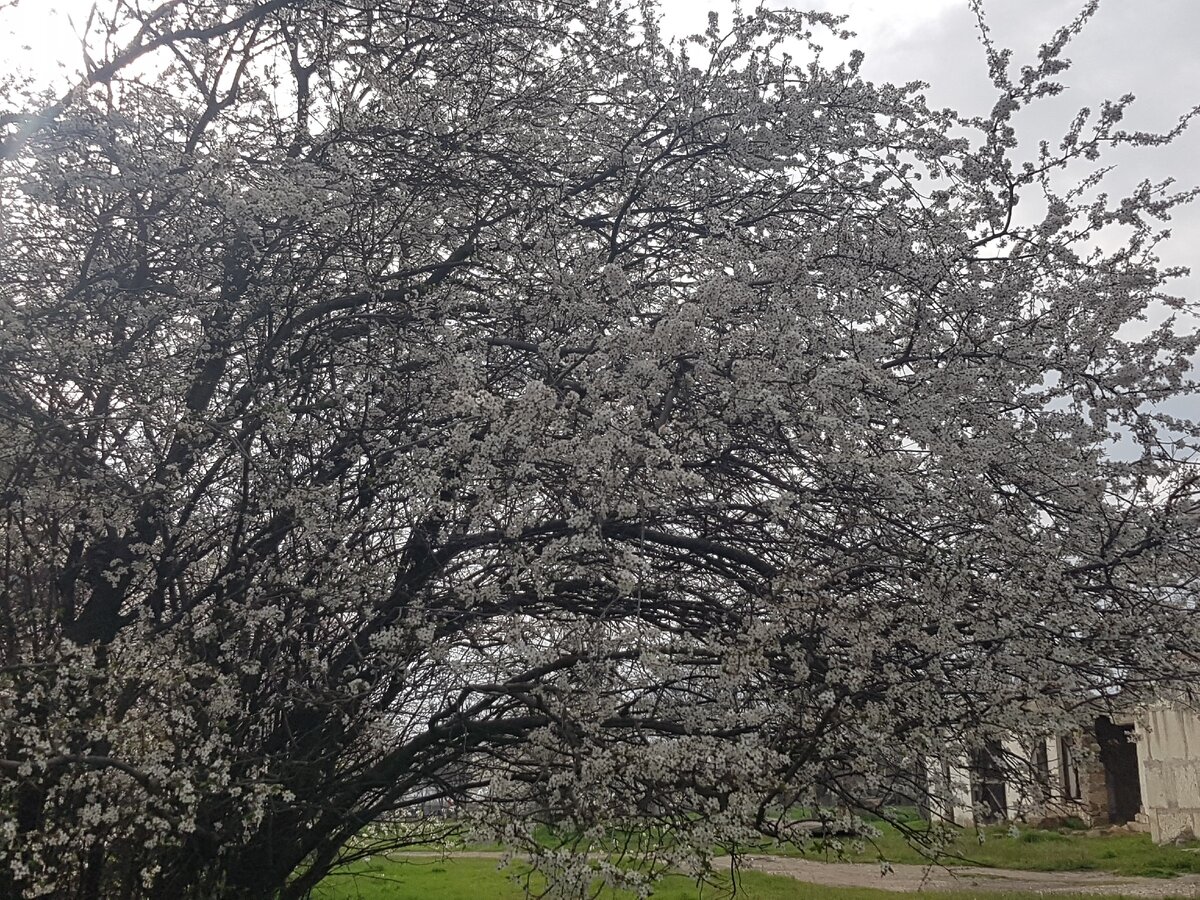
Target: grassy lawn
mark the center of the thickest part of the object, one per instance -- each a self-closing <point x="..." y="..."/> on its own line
<point x="478" y="879"/>
<point x="1030" y="850"/>
<point x="1040" y="851"/>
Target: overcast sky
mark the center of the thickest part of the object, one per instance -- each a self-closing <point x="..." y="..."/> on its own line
<point x="1144" y="47"/>
<point x="1150" y="48"/>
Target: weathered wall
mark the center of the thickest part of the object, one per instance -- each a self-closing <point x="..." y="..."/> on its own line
<point x="1093" y="781"/>
<point x="1169" y="768"/>
<point x="950" y="792"/>
<point x="1057" y="800"/>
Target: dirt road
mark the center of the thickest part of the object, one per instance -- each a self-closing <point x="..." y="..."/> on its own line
<point x="909" y="878"/>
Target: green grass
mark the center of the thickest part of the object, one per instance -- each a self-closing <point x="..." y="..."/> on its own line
<point x="1030" y="850"/>
<point x="1040" y="851"/>
<point x="479" y="879"/>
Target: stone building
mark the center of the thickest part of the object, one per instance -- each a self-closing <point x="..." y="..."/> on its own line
<point x="1141" y="770"/>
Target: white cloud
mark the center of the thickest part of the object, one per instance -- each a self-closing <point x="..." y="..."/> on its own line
<point x="880" y="23"/>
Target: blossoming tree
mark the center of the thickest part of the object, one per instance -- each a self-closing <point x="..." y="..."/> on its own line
<point x="418" y="399"/>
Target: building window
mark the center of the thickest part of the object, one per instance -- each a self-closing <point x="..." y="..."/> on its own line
<point x="1039" y="762"/>
<point x="1069" y="769"/>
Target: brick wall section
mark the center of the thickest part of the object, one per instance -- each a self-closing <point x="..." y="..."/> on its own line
<point x="1092" y="780"/>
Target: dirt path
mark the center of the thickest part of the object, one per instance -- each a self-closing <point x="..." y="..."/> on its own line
<point x="909" y="878"/>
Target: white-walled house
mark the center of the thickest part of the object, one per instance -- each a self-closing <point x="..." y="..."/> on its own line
<point x="1141" y="770"/>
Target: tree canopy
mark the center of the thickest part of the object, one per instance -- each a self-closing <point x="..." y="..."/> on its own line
<point x="416" y="399"/>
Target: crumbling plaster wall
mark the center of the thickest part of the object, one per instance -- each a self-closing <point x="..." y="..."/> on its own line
<point x="1169" y="768"/>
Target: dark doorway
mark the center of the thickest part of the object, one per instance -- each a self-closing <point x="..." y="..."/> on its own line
<point x="987" y="782"/>
<point x="1118" y="755"/>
